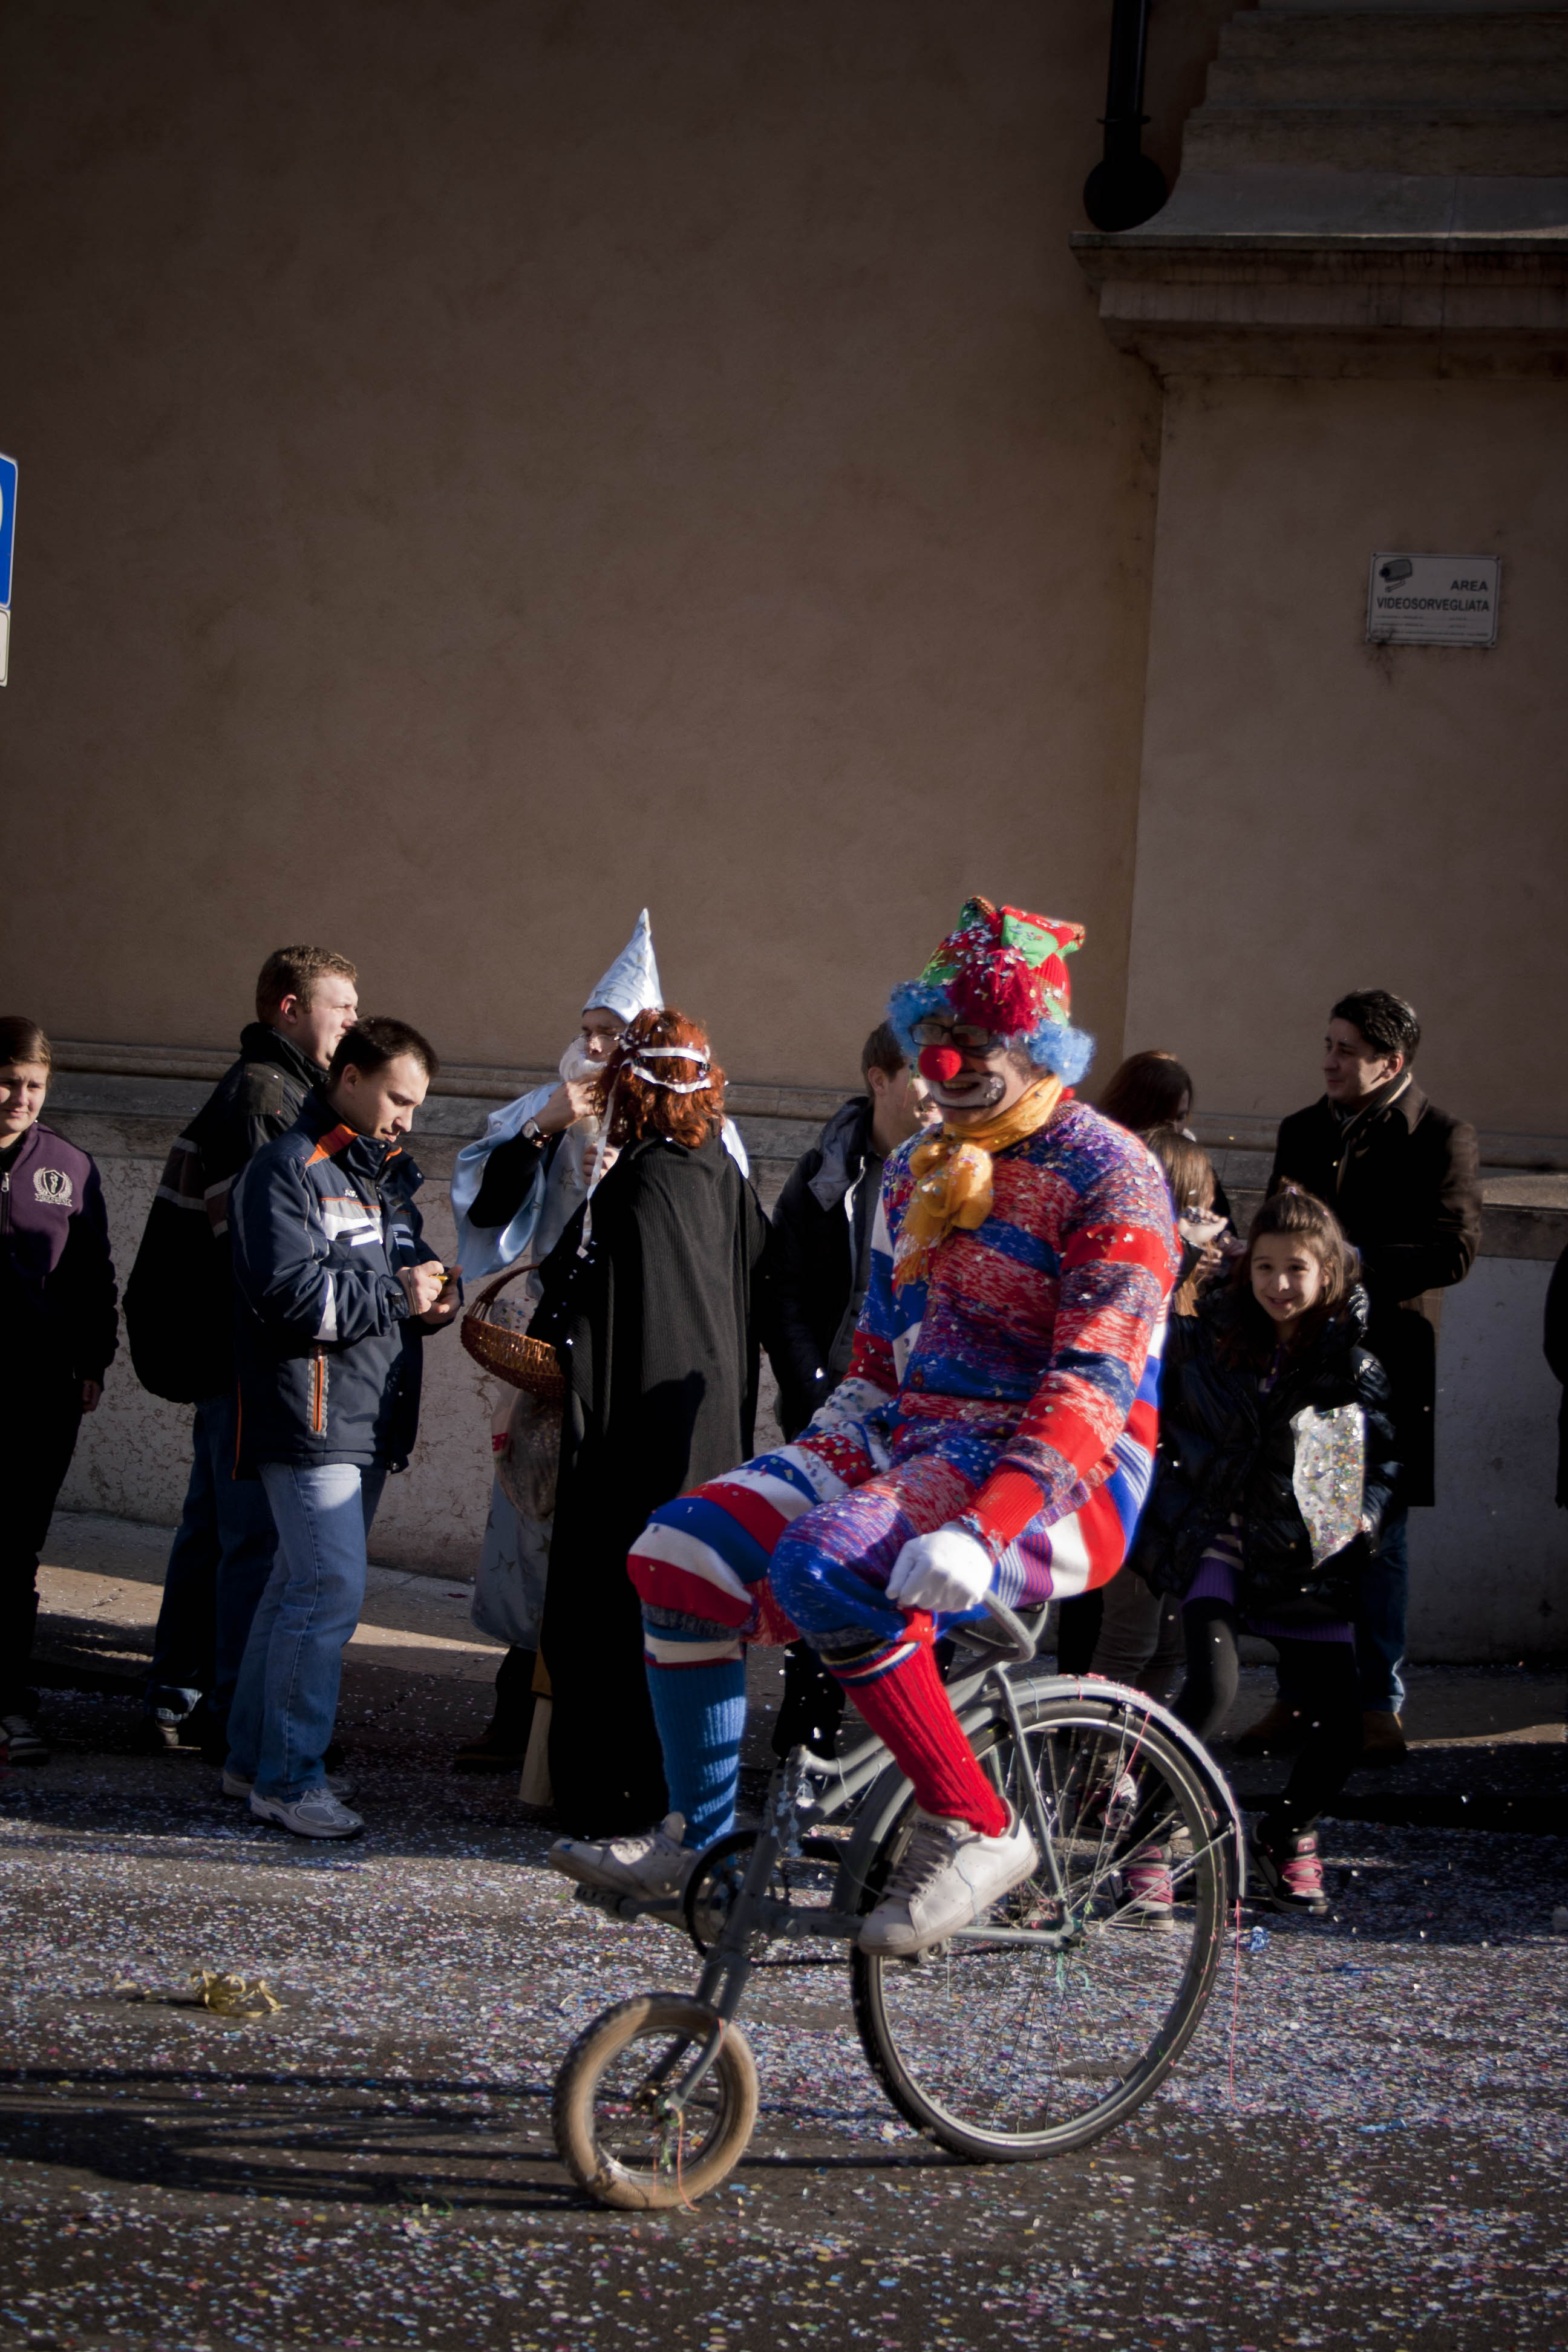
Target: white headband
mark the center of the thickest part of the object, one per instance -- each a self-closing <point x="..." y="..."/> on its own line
<point x="671" y="1053"/>
<point x="670" y="1085"/>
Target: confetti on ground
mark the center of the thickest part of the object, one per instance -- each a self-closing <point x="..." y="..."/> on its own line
<point x="370" y="2165"/>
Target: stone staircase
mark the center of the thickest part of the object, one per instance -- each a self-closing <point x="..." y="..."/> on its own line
<point x="1429" y="90"/>
<point x="1370" y="186"/>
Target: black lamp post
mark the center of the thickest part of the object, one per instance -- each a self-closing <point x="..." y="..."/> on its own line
<point x="1125" y="186"/>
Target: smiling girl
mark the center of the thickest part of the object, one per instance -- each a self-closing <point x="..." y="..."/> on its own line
<point x="1275" y="1467"/>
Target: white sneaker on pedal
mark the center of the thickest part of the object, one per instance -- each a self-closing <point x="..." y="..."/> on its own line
<point x="654" y="1867"/>
<point x="317" y="1814"/>
<point x="950" y="1875"/>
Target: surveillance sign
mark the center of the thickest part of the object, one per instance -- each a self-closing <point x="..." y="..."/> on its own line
<point x="1433" y="600"/>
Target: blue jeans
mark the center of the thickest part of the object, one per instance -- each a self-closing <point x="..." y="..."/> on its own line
<point x="1380" y="1622"/>
<point x="287" y="1698"/>
<point x="218" y="1566"/>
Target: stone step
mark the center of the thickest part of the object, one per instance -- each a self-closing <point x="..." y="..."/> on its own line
<point x="1267" y="10"/>
<point x="1445" y="84"/>
<point x="1428" y="38"/>
<point x="1511" y="142"/>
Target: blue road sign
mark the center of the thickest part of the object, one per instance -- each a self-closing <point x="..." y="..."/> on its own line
<point x="7" y="524"/>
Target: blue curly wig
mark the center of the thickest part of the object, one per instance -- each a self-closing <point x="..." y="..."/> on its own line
<point x="1051" y="1044"/>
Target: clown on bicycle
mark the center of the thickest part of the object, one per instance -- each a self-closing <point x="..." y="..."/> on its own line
<point x="996" y="1433"/>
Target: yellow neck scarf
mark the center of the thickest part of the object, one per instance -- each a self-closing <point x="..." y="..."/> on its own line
<point x="953" y="1177"/>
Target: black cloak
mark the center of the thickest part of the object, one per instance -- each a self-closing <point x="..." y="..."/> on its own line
<point x="659" y="1328"/>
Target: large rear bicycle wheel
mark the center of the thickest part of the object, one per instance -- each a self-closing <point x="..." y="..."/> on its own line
<point x="617" y="2130"/>
<point x="1017" y="2051"/>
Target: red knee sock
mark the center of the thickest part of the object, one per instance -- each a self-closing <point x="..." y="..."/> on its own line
<point x="898" y="1692"/>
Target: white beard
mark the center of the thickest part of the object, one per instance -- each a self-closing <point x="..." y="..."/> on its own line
<point x="578" y="1064"/>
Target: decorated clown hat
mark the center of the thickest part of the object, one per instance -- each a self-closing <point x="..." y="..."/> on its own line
<point x="1005" y="971"/>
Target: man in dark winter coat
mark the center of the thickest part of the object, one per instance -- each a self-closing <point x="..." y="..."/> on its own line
<point x="1403" y="1178"/>
<point x="822" y="1228"/>
<point x="179" y="1314"/>
<point x="335" y="1287"/>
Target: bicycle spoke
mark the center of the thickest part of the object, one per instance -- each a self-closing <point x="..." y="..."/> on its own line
<point x="1012" y="2046"/>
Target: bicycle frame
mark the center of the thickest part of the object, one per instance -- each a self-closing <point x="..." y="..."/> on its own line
<point x="806" y="1790"/>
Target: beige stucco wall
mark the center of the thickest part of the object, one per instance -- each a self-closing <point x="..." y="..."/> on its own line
<point x="1320" y="814"/>
<point x="487" y="466"/>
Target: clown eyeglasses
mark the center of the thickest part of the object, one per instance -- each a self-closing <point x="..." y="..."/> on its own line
<point x="955" y="1033"/>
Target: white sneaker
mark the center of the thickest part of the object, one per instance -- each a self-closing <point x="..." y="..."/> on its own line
<point x="22" y="1742"/>
<point x="654" y="1867"/>
<point x="1112" y="1804"/>
<point x="235" y="1784"/>
<point x="318" y="1814"/>
<point x="949" y="1876"/>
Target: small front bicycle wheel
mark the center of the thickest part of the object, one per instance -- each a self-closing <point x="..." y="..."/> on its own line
<point x="1020" y="2050"/>
<point x="618" y="2128"/>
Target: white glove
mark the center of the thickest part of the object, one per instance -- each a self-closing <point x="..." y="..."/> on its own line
<point x="947" y="1570"/>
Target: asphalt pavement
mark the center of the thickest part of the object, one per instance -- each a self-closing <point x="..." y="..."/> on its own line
<point x="1363" y="2147"/>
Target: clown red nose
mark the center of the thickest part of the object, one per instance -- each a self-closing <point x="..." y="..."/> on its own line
<point x="940" y="1063"/>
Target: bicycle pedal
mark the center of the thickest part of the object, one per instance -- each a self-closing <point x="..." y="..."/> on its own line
<point x="631" y="1906"/>
<point x="600" y="1898"/>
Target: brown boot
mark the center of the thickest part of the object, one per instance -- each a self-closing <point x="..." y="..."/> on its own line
<point x="1383" y="1738"/>
<point x="1280" y="1732"/>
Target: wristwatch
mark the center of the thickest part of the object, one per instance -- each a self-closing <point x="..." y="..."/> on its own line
<point x="531" y="1132"/>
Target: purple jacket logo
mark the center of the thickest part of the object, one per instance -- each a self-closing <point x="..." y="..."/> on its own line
<point x="53" y="1185"/>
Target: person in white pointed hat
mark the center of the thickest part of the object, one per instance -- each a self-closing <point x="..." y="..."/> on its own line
<point x="549" y="1183"/>
<point x="514" y="1190"/>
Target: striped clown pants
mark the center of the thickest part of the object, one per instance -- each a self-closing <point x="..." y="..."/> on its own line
<point x="803" y="1541"/>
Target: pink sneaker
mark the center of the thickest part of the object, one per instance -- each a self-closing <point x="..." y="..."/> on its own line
<point x="1290" y="1870"/>
<point x="1148" y="1897"/>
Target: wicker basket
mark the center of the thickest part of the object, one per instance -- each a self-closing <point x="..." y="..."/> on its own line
<point x="509" y="1353"/>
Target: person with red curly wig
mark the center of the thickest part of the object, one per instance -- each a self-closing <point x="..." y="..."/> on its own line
<point x="654" y="1298"/>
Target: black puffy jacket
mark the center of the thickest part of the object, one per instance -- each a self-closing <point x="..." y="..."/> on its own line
<point x="179" y="1301"/>
<point x="1227" y="1448"/>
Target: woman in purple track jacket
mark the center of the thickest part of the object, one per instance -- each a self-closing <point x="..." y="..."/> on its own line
<point x="57" y="1333"/>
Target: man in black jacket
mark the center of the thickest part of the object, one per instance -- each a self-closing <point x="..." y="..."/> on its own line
<point x="179" y="1314"/>
<point x="821" y="1229"/>
<point x="1403" y="1178"/>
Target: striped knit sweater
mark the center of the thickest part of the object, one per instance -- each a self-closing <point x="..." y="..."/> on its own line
<point x="1036" y="1330"/>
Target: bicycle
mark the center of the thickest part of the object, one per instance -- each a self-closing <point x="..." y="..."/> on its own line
<point x="1033" y="2031"/>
